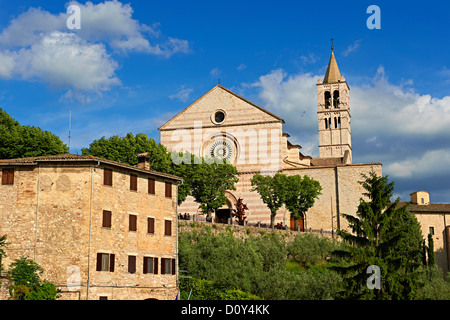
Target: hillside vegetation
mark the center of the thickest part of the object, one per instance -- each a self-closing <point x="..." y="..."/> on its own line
<point x="222" y="264"/>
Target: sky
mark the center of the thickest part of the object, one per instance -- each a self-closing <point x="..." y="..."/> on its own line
<point x="133" y="65"/>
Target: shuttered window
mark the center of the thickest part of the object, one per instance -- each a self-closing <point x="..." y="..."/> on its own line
<point x="132" y="264"/>
<point x="132" y="226"/>
<point x="168" y="190"/>
<point x="167" y="266"/>
<point x="105" y="262"/>
<point x="151" y="225"/>
<point x="133" y="182"/>
<point x="107" y="177"/>
<point x="150" y="265"/>
<point x="151" y="186"/>
<point x="7" y="176"/>
<point x="167" y="227"/>
<point x="106" y="223"/>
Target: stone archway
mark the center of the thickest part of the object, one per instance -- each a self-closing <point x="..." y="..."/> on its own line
<point x="224" y="212"/>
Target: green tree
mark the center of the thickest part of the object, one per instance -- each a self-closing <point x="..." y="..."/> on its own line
<point x="19" y="141"/>
<point x="125" y="149"/>
<point x="383" y="234"/>
<point x="3" y="244"/>
<point x="272" y="190"/>
<point x="26" y="284"/>
<point x="430" y="251"/>
<point x="300" y="194"/>
<point x="208" y="181"/>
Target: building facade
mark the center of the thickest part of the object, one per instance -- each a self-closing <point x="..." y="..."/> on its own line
<point x="434" y="219"/>
<point x="225" y="125"/>
<point x="99" y="229"/>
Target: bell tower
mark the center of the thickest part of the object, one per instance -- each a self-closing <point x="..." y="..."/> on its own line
<point x="334" y="114"/>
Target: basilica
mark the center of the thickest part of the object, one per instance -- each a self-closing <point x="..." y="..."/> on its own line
<point x="224" y="124"/>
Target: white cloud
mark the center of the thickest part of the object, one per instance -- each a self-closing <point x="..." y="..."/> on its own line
<point x="37" y="45"/>
<point x="393" y="124"/>
<point x="351" y="48"/>
<point x="182" y="94"/>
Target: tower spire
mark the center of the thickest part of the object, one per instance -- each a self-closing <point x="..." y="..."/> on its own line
<point x="332" y="75"/>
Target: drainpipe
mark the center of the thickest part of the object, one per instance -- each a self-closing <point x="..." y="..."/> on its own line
<point x="37" y="211"/>
<point x="90" y="229"/>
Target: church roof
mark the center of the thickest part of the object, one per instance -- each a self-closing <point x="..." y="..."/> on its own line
<point x="332" y="75"/>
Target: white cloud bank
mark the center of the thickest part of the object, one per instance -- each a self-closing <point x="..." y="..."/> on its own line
<point x="37" y="45"/>
<point x="408" y="132"/>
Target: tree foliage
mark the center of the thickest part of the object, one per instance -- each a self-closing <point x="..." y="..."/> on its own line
<point x="383" y="234"/>
<point x="17" y="141"/>
<point x="26" y="284"/>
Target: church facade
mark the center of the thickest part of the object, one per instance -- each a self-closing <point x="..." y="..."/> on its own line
<point x="223" y="124"/>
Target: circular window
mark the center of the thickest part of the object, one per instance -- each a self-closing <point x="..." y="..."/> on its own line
<point x="219" y="116"/>
<point x="221" y="147"/>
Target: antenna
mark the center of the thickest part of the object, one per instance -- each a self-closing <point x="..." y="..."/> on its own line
<point x="70" y="120"/>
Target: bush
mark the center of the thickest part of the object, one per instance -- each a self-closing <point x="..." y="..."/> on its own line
<point x="309" y="249"/>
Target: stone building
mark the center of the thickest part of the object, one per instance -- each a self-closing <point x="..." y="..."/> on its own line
<point x="100" y="229"/>
<point x="223" y="124"/>
<point x="434" y="219"/>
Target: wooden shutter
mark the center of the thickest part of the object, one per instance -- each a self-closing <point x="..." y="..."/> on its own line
<point x="99" y="262"/>
<point x="107" y="177"/>
<point x="151" y="186"/>
<point x="163" y="265"/>
<point x="132" y="222"/>
<point x="131" y="264"/>
<point x="7" y="176"/>
<point x="106" y="219"/>
<point x="145" y="265"/>
<point x="168" y="190"/>
<point x="155" y="265"/>
<point x="112" y="259"/>
<point x="151" y="225"/>
<point x="133" y="182"/>
<point x="173" y="266"/>
<point x="167" y="227"/>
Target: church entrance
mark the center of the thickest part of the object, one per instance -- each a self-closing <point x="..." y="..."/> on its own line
<point x="222" y="215"/>
<point x="297" y="224"/>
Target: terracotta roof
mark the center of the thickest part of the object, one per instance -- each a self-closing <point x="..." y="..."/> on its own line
<point x="80" y="158"/>
<point x="427" y="208"/>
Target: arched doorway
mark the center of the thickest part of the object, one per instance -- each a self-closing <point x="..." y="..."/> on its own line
<point x="224" y="213"/>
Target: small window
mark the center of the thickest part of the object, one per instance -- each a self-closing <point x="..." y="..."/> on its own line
<point x="151" y="186"/>
<point x="131" y="264"/>
<point x="219" y="116"/>
<point x="336" y="99"/>
<point x="107" y="177"/>
<point x="167" y="266"/>
<point x="133" y="182"/>
<point x="7" y="176"/>
<point x="326" y="123"/>
<point x="168" y="190"/>
<point x="106" y="222"/>
<point x="422" y="200"/>
<point x="327" y="98"/>
<point x="132" y="225"/>
<point x="167" y="227"/>
<point x="105" y="262"/>
<point x="150" y="265"/>
<point x="103" y="298"/>
<point x="432" y="231"/>
<point x="151" y="225"/>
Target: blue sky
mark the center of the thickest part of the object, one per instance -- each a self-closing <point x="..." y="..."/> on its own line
<point x="133" y="65"/>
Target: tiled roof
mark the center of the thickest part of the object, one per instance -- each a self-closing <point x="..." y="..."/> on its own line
<point x="80" y="158"/>
<point x="431" y="207"/>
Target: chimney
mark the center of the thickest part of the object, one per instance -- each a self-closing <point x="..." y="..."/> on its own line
<point x="144" y="161"/>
